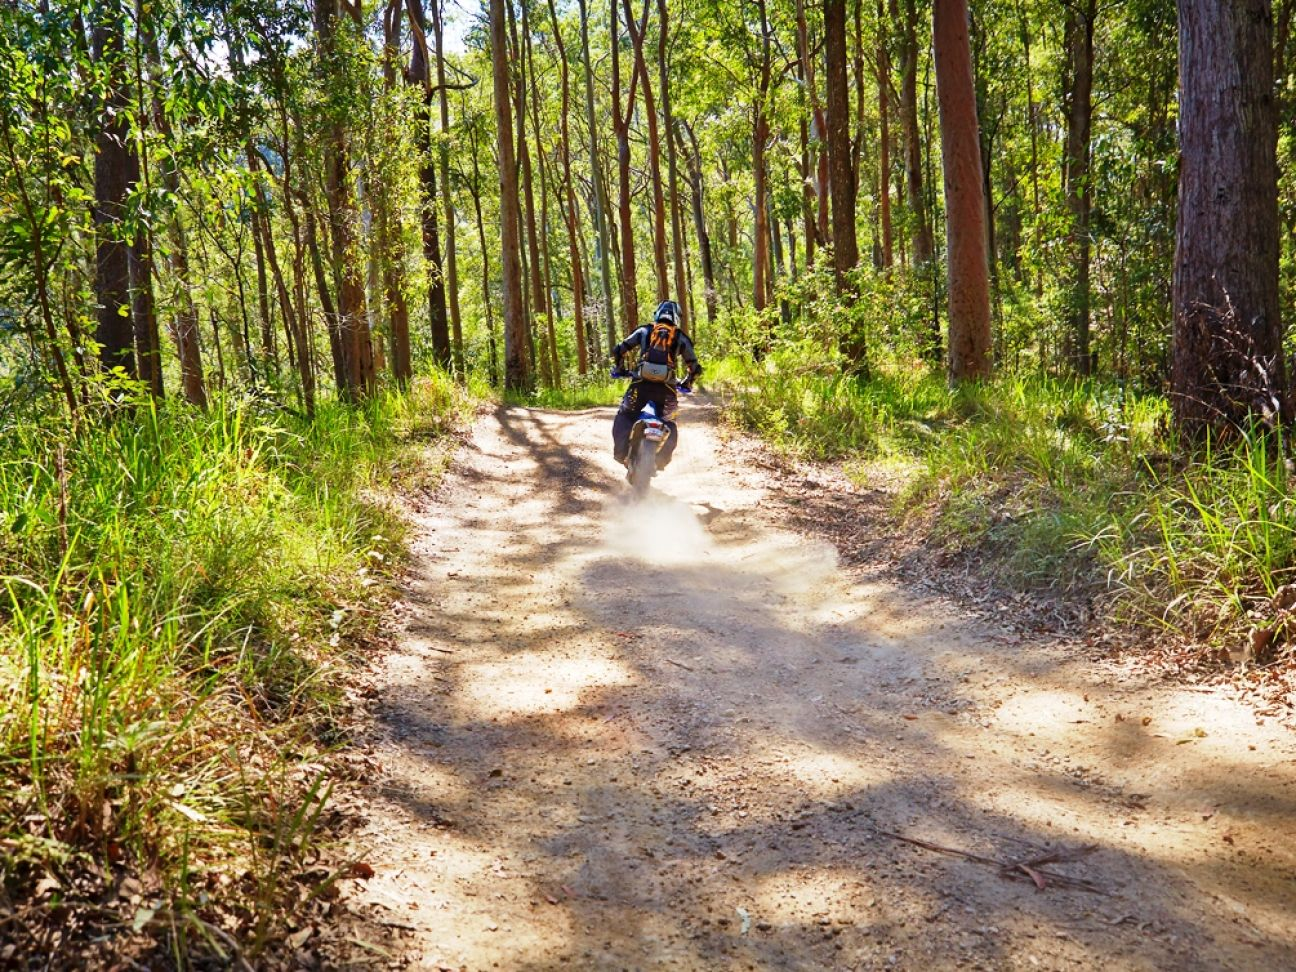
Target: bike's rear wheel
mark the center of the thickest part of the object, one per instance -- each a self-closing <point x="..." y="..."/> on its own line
<point x="643" y="467"/>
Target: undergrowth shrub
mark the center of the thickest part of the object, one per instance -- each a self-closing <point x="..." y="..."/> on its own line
<point x="176" y="590"/>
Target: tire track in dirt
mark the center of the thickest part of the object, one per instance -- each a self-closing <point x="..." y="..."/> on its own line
<point x="669" y="736"/>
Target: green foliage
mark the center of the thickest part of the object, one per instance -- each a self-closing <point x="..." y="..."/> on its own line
<point x="177" y="592"/>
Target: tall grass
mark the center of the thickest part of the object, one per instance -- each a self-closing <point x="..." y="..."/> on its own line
<point x="577" y="391"/>
<point x="176" y="590"/>
<point x="1071" y="486"/>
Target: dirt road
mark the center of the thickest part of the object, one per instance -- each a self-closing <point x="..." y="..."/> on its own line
<point x="680" y="735"/>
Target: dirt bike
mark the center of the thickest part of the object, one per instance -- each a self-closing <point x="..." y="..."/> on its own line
<point x="647" y="436"/>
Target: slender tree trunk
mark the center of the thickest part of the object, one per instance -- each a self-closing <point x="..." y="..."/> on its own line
<point x="805" y="73"/>
<point x="600" y="183"/>
<point x="1228" y="365"/>
<point x="269" y="350"/>
<point x="884" y="138"/>
<point x="1079" y="37"/>
<point x="420" y="74"/>
<point x="451" y="248"/>
<point x="532" y="265"/>
<point x="969" y="283"/>
<point x="621" y="126"/>
<point x="654" y="155"/>
<point x="761" y="274"/>
<point x="491" y="351"/>
<point x="568" y="193"/>
<point x="391" y="232"/>
<point x="921" y="242"/>
<point x="694" y="161"/>
<point x="516" y="372"/>
<point x="677" y="218"/>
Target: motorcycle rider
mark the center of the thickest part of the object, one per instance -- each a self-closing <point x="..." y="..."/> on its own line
<point x="660" y="344"/>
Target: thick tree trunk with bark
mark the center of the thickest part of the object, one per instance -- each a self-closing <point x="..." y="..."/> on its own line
<point x="1079" y="41"/>
<point x="116" y="170"/>
<point x="516" y="371"/>
<point x="1228" y="366"/>
<point x="352" y="317"/>
<point x="845" y="244"/>
<point x="969" y="282"/>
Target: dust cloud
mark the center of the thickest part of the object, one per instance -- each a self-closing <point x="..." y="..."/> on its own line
<point x="658" y="530"/>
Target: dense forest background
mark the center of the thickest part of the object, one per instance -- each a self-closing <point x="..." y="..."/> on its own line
<point x="1032" y="257"/>
<point x="296" y="198"/>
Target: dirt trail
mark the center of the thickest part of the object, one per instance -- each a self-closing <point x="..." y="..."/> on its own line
<point x="619" y="737"/>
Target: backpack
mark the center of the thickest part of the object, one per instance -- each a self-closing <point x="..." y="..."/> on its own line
<point x="658" y="361"/>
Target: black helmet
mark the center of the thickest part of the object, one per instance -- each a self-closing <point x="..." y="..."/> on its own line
<point x="668" y="310"/>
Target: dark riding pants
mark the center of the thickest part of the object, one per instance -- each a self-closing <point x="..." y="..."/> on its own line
<point x="639" y="394"/>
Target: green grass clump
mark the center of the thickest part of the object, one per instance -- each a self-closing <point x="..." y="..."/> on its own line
<point x="1073" y="486"/>
<point x="593" y="390"/>
<point x="176" y="592"/>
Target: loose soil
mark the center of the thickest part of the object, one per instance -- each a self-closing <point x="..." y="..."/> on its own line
<point x="687" y="733"/>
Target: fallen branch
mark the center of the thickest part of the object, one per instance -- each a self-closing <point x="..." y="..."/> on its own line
<point x="1029" y="867"/>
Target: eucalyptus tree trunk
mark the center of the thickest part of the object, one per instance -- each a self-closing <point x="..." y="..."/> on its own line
<point x="884" y="138"/>
<point x="1228" y="366"/>
<point x="761" y="282"/>
<point x="965" y="204"/>
<point x="621" y="126"/>
<point x="654" y="153"/>
<point x="600" y="184"/>
<point x="116" y="170"/>
<point x="1079" y="31"/>
<point x="420" y="74"/>
<point x="568" y="194"/>
<point x="845" y="245"/>
<point x="391" y="233"/>
<point x="451" y="248"/>
<point x="805" y="72"/>
<point x="677" y="219"/>
<point x="694" y="161"/>
<point x="921" y="234"/>
<point x="516" y="371"/>
<point x="532" y="265"/>
<point x="352" y="317"/>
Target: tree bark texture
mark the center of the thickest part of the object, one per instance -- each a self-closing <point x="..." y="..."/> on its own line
<point x="516" y="370"/>
<point x="1079" y="33"/>
<point x="884" y="138"/>
<point x="672" y="166"/>
<point x="352" y="316"/>
<point x="420" y="75"/>
<point x="921" y="232"/>
<point x="116" y="170"/>
<point x="969" y="279"/>
<point x="1227" y="365"/>
<point x="845" y="245"/>
<point x="570" y="216"/>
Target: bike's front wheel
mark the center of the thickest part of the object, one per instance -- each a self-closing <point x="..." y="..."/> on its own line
<point x="644" y="466"/>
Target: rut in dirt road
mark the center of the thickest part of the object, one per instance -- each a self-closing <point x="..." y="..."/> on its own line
<point x="674" y="735"/>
